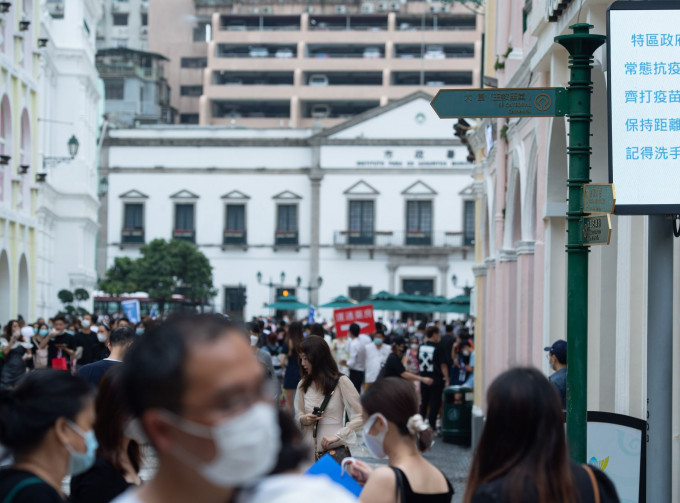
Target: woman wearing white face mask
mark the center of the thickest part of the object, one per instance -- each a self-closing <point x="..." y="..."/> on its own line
<point x="395" y="430"/>
<point x="100" y="349"/>
<point x="118" y="461"/>
<point x="46" y="424"/>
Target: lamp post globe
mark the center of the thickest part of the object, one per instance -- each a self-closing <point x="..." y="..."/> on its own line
<point x="73" y="145"/>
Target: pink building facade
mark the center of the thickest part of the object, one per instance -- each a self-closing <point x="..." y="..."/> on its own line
<point x="521" y="266"/>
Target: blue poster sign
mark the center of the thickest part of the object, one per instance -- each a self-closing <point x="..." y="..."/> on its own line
<point x="131" y="310"/>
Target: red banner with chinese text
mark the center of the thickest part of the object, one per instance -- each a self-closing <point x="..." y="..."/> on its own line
<point x="361" y="315"/>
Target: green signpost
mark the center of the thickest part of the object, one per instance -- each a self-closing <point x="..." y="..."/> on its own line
<point x="583" y="230"/>
<point x="527" y="102"/>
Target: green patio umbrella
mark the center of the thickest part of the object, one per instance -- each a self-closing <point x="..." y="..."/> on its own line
<point x="339" y="302"/>
<point x="289" y="303"/>
<point x="421" y="303"/>
<point x="459" y="305"/>
<point x="384" y="301"/>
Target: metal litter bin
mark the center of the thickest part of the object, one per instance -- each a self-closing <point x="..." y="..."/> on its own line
<point x="457" y="415"/>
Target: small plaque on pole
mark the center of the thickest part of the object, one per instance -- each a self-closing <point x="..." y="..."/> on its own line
<point x="599" y="198"/>
<point x="597" y="230"/>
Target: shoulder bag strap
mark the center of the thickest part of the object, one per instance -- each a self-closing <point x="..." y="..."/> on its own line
<point x="399" y="490"/>
<point x="324" y="404"/>
<point x="24" y="483"/>
<point x="593" y="481"/>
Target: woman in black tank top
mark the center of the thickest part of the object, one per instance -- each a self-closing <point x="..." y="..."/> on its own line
<point x="394" y="429"/>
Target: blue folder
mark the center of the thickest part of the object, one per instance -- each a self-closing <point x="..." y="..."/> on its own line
<point x="330" y="467"/>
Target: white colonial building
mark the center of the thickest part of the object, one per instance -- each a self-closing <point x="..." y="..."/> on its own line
<point x="67" y="202"/>
<point x="380" y="202"/>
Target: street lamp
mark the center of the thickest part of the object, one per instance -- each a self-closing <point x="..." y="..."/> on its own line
<point x="73" y="145"/>
<point x="454" y="280"/>
<point x="271" y="283"/>
<point x="103" y="187"/>
<point x="310" y="288"/>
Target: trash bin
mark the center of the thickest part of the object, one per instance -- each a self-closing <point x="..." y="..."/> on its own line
<point x="457" y="415"/>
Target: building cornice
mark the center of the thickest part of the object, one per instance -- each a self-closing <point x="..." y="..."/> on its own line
<point x="289" y="171"/>
<point x="479" y="270"/>
<point x="524" y="247"/>
<point x="276" y="142"/>
<point x="505" y="255"/>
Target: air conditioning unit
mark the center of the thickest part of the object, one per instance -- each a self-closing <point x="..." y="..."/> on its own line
<point x="446" y="8"/>
<point x="267" y="10"/>
<point x="309" y="10"/>
<point x="396" y="6"/>
<point x="341" y="9"/>
<point x="255" y="10"/>
<point x="367" y="8"/>
<point x="383" y="6"/>
<point x="434" y="8"/>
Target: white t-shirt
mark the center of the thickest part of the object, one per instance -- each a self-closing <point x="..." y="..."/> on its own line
<point x="281" y="489"/>
<point x="129" y="496"/>
<point x="295" y="489"/>
<point x="375" y="359"/>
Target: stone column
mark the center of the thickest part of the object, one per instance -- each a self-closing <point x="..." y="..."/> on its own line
<point x="315" y="177"/>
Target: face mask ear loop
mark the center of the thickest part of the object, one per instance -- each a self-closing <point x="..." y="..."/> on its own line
<point x="198" y="430"/>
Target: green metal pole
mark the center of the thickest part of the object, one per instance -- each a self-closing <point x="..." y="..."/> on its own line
<point x="581" y="46"/>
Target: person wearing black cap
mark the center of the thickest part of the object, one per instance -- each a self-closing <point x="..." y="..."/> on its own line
<point x="557" y="356"/>
<point x="395" y="368"/>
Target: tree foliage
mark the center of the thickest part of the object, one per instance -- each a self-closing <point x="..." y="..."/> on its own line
<point x="65" y="296"/>
<point x="163" y="269"/>
<point x="81" y="294"/>
<point x="119" y="278"/>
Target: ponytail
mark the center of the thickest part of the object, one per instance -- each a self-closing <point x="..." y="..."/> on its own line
<point x="420" y="429"/>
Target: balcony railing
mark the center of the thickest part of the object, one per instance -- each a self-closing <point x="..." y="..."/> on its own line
<point x="395" y="239"/>
<point x="132" y="236"/>
<point x="234" y="238"/>
<point x="184" y="235"/>
<point x="286" y="238"/>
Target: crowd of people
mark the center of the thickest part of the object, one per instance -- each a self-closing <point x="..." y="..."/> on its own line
<point x="236" y="413"/>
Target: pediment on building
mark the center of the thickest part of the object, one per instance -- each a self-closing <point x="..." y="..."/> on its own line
<point x="235" y="194"/>
<point x="287" y="195"/>
<point x="419" y="188"/>
<point x="133" y="194"/>
<point x="361" y="188"/>
<point x="184" y="194"/>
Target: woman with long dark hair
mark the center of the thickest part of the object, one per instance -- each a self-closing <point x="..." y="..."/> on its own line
<point x="321" y="378"/>
<point x="16" y="354"/>
<point x="289" y="361"/>
<point x="395" y="430"/>
<point x="118" y="457"/>
<point x="522" y="456"/>
<point x="46" y="425"/>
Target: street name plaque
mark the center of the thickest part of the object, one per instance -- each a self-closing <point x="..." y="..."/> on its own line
<point x="520" y="102"/>
<point x="599" y="198"/>
<point x="597" y="230"/>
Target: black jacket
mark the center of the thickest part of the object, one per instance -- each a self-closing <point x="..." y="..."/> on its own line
<point x="493" y="491"/>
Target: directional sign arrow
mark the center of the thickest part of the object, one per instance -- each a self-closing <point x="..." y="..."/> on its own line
<point x="520" y="102"/>
<point x="361" y="324"/>
<point x="597" y="230"/>
<point x="599" y="198"/>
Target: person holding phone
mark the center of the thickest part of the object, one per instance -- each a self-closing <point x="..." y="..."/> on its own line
<point x="61" y="347"/>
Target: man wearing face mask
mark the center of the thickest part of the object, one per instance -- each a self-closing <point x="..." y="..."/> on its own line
<point x="120" y="341"/>
<point x="200" y="395"/>
<point x="376" y="355"/>
<point x="86" y="340"/>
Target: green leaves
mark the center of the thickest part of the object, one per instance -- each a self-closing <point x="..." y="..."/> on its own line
<point x="163" y="269"/>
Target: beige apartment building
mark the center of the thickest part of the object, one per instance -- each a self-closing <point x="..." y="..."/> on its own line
<point x="293" y="63"/>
